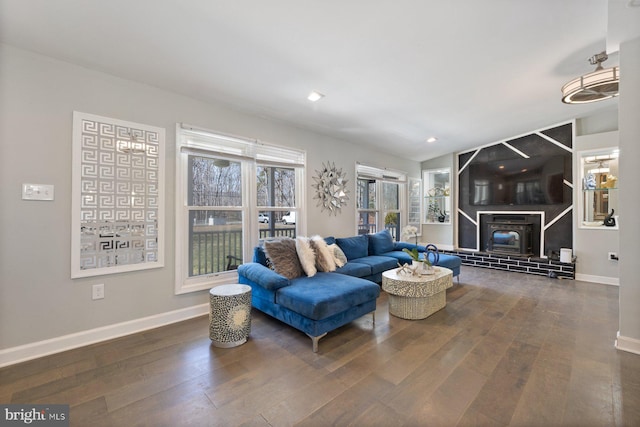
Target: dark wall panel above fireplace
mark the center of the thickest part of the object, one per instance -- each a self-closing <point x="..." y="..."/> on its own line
<point x="552" y="153"/>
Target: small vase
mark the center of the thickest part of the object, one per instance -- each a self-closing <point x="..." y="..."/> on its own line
<point x="428" y="269"/>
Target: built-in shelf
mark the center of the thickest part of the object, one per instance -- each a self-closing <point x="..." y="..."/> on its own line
<point x="437" y="196"/>
<point x="599" y="177"/>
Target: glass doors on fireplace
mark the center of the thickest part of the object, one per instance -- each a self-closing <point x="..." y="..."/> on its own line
<point x="510" y="238"/>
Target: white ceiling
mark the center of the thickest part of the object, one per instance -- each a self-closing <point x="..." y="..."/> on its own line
<point x="394" y="72"/>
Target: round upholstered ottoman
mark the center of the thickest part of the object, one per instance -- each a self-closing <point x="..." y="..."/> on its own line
<point x="229" y="315"/>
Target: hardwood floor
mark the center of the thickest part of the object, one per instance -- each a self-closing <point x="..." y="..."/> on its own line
<point x="509" y="349"/>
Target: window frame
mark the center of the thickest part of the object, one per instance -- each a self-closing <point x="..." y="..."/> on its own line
<point x="251" y="154"/>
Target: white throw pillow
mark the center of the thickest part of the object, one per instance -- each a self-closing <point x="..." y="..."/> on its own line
<point x="306" y="255"/>
<point x="324" y="256"/>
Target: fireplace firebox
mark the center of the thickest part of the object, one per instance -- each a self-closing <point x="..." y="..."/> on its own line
<point x="507" y="237"/>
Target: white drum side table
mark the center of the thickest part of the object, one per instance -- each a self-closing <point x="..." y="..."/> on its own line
<point x="229" y="315"/>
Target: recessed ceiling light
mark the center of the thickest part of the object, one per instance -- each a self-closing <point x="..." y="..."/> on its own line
<point x="432" y="139"/>
<point x="315" y="96"/>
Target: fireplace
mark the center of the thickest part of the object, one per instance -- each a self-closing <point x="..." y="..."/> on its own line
<point x="509" y="237"/>
<point x="510" y="233"/>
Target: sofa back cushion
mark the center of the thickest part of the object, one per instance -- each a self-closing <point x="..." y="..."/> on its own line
<point x="354" y="247"/>
<point x="330" y="240"/>
<point x="259" y="255"/>
<point x="380" y="242"/>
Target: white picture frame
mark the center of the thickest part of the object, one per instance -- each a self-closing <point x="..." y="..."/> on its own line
<point x="117" y="196"/>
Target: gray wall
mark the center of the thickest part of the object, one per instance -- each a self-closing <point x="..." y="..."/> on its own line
<point x="38" y="300"/>
<point x="629" y="108"/>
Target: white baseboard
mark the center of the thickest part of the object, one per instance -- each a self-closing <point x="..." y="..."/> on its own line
<point x="34" y="350"/>
<point x="605" y="280"/>
<point x="631" y="345"/>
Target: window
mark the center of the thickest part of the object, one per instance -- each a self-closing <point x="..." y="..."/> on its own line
<point x="231" y="192"/>
<point x="415" y="203"/>
<point x="276" y="190"/>
<point x="373" y="214"/>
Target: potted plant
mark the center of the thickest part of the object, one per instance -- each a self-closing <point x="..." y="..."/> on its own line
<point x="420" y="264"/>
<point x="411" y="231"/>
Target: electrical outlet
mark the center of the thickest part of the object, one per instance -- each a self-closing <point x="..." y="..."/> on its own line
<point x="612" y="256"/>
<point x="98" y="291"/>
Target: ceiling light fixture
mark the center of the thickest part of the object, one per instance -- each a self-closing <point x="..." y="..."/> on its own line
<point x="597" y="86"/>
<point x="315" y="96"/>
<point x="432" y="139"/>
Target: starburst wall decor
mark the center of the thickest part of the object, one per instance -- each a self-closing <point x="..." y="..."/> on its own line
<point x="330" y="185"/>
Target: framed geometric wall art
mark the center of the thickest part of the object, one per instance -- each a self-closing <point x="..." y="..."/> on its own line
<point x="117" y="196"/>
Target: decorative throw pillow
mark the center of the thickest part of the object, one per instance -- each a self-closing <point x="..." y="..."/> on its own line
<point x="284" y="257"/>
<point x="324" y="257"/>
<point x="316" y="251"/>
<point x="339" y="257"/>
<point x="306" y="255"/>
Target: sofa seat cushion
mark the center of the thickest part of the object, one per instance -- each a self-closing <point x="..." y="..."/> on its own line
<point x="378" y="263"/>
<point x="326" y="294"/>
<point x="400" y="256"/>
<point x="355" y="269"/>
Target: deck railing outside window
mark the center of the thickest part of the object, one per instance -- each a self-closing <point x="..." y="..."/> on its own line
<point x="211" y="249"/>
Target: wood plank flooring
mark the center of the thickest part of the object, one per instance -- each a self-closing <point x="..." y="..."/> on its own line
<point x="508" y="350"/>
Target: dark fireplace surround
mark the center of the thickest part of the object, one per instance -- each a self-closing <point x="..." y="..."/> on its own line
<point x="518" y="230"/>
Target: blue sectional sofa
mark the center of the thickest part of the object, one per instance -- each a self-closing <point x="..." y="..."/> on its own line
<point x="327" y="300"/>
<point x="380" y="253"/>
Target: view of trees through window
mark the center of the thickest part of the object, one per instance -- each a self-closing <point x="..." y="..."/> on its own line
<point x="369" y="213"/>
<point x="391" y="207"/>
<point x="366" y="204"/>
<point x="276" y="189"/>
<point x="215" y="234"/>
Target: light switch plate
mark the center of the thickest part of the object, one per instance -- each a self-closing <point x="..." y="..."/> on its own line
<point x="37" y="192"/>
